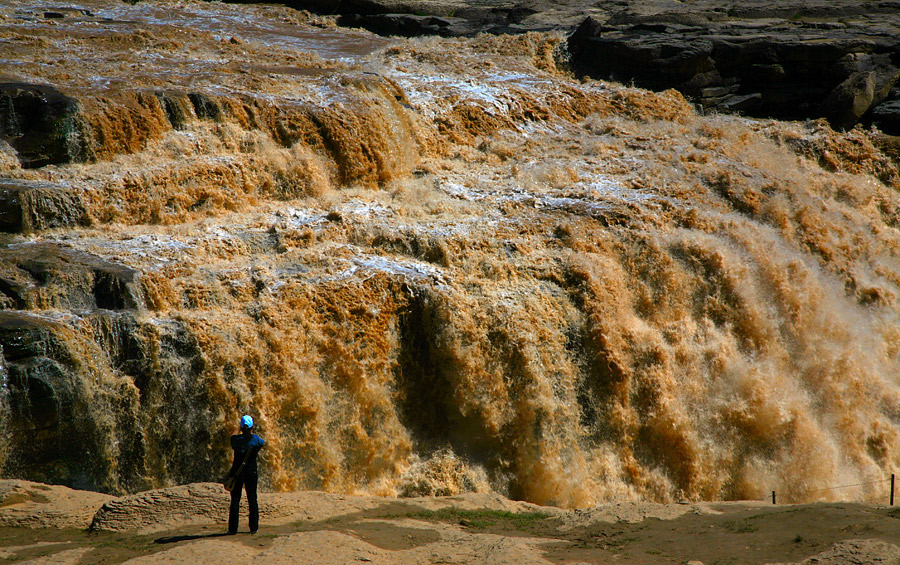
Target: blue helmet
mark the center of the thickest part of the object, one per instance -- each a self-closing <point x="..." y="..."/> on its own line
<point x="246" y="421"/>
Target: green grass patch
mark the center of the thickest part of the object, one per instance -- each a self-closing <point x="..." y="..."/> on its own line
<point x="531" y="522"/>
<point x="483" y="519"/>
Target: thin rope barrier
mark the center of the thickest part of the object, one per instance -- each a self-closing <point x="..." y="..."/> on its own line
<point x="791" y="491"/>
<point x="871" y="500"/>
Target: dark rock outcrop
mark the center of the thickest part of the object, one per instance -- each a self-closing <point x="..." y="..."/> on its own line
<point x="27" y="206"/>
<point x="887" y="114"/>
<point x="47" y="275"/>
<point x="768" y="68"/>
<point x="39" y="122"/>
<point x="46" y="126"/>
<point x="53" y="422"/>
<point x="409" y="25"/>
<point x="73" y="400"/>
<point x="452" y="18"/>
<point x="448" y="20"/>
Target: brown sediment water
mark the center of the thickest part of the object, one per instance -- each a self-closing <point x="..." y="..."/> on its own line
<point x="429" y="266"/>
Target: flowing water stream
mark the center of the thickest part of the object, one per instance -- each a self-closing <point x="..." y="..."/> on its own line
<point x="429" y="266"/>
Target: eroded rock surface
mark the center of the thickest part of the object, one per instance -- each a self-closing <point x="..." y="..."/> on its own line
<point x="796" y="68"/>
<point x="40" y="123"/>
<point x="36" y="505"/>
<point x="831" y="59"/>
<point x="27" y="206"/>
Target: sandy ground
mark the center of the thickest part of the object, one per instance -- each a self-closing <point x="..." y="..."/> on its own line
<point x="52" y="524"/>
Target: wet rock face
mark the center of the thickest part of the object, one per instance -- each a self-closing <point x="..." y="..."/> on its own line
<point x="47" y="127"/>
<point x="762" y="67"/>
<point x="49" y="388"/>
<point x="75" y="390"/>
<point x="53" y="431"/>
<point x="887" y="114"/>
<point x="39" y="122"/>
<point x="46" y="275"/>
<point x="80" y="370"/>
<point x="50" y="376"/>
<point x="27" y="206"/>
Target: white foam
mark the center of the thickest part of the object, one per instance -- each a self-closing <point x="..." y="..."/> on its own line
<point x="415" y="270"/>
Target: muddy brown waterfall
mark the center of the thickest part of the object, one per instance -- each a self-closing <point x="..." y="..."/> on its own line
<point x="427" y="266"/>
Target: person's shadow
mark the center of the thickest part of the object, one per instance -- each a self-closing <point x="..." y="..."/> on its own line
<point x="175" y="539"/>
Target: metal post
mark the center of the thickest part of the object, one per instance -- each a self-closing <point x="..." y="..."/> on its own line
<point x="892" y="489"/>
<point x="773" y="497"/>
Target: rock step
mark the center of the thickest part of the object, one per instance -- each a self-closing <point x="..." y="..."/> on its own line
<point x="39" y="122"/>
<point x="28" y="206"/>
<point x="366" y="139"/>
<point x="35" y="276"/>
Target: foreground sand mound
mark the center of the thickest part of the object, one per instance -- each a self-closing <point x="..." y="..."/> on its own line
<point x="632" y="512"/>
<point x="341" y="547"/>
<point x="853" y="551"/>
<point x="35" y="505"/>
<point x="204" y="503"/>
<point x="162" y="508"/>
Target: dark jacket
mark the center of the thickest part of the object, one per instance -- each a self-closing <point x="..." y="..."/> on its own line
<point x="241" y="445"/>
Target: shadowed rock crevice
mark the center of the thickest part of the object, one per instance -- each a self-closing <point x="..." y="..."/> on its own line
<point x="422" y="393"/>
<point x="179" y="108"/>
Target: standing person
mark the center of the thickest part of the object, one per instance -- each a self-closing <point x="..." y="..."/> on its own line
<point x="246" y="446"/>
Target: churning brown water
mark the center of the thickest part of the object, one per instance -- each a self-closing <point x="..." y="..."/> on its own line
<point x="436" y="265"/>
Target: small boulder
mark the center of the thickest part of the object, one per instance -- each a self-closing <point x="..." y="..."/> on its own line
<point x="849" y="100"/>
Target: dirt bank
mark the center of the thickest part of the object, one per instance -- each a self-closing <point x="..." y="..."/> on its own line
<point x="52" y="524"/>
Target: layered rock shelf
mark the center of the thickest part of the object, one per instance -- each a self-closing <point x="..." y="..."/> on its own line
<point x="837" y="60"/>
<point x="765" y="67"/>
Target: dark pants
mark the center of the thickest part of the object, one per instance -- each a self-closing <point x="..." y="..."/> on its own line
<point x="242" y="482"/>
